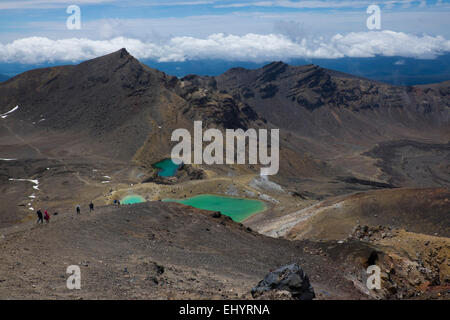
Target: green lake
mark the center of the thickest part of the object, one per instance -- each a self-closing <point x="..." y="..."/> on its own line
<point x="237" y="209"/>
<point x="132" y="199"/>
<point x="168" y="168"/>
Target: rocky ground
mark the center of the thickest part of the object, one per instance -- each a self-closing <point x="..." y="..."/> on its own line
<point x="158" y="251"/>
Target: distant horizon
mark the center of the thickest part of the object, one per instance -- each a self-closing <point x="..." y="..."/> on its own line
<point x="392" y="70"/>
<point x="402" y="42"/>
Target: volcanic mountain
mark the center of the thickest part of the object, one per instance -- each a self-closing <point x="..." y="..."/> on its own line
<point x="120" y="103"/>
<point x="351" y="149"/>
<point x="117" y="101"/>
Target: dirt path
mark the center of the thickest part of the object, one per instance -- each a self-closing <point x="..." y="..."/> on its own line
<point x="22" y="139"/>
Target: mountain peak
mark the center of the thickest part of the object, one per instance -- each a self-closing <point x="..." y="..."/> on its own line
<point x="271" y="71"/>
<point x="123" y="53"/>
<point x="120" y="54"/>
<point x="112" y="58"/>
<point x="275" y="63"/>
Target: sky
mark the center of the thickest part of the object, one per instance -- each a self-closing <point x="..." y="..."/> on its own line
<point x="36" y="31"/>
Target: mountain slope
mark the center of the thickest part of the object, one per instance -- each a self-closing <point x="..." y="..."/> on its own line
<point x="123" y="103"/>
<point x="109" y="98"/>
<point x="158" y="251"/>
<point x="119" y="102"/>
<point x="330" y="106"/>
<point x="337" y="117"/>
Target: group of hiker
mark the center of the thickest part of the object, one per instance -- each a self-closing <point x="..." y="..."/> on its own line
<point x="46" y="216"/>
<point x="78" y="208"/>
<point x="42" y="217"/>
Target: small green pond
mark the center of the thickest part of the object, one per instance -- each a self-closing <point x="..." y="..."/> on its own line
<point x="168" y="168"/>
<point x="237" y="209"/>
<point x="132" y="199"/>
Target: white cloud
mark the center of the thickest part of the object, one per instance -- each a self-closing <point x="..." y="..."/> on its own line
<point x="390" y="43"/>
<point x="248" y="47"/>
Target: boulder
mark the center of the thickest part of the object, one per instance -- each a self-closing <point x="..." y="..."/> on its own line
<point x="289" y="278"/>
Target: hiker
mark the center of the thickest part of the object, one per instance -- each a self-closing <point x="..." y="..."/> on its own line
<point x="118" y="203"/>
<point x="78" y="209"/>
<point x="46" y="216"/>
<point x="91" y="207"/>
<point x="39" y="214"/>
<point x="115" y="202"/>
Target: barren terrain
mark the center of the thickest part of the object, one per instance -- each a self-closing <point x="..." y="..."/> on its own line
<point x="364" y="178"/>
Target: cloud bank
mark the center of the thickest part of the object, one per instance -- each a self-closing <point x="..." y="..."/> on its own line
<point x="248" y="47"/>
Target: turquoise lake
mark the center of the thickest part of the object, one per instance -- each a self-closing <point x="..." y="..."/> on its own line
<point x="237" y="209"/>
<point x="168" y="168"/>
<point x="132" y="199"/>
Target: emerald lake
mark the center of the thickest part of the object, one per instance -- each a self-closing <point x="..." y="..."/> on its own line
<point x="237" y="209"/>
<point x="167" y="168"/>
<point x="132" y="199"/>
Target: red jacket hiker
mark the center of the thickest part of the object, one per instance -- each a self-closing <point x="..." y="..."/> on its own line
<point x="46" y="216"/>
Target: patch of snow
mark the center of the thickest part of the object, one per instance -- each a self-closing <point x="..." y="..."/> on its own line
<point x="106" y="181"/>
<point x="4" y="159"/>
<point x="4" y="115"/>
<point x="35" y="181"/>
<point x="107" y="177"/>
<point x="31" y="208"/>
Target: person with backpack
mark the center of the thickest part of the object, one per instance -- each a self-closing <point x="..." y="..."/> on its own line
<point x="78" y="208"/>
<point x="39" y="214"/>
<point x="46" y="216"/>
<point x="91" y="207"/>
